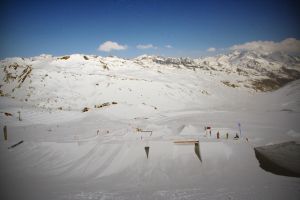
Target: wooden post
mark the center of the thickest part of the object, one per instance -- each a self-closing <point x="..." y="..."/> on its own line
<point x="19" y="116"/>
<point x="5" y="132"/>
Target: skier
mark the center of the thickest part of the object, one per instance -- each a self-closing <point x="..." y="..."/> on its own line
<point x="218" y="135"/>
<point x="227" y="135"/>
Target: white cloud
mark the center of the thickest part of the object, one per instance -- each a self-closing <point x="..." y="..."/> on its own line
<point x="211" y="49"/>
<point x="289" y="45"/>
<point x="169" y="46"/>
<point x="109" y="46"/>
<point x="146" y="46"/>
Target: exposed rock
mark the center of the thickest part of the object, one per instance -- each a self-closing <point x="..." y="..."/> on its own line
<point x="227" y="83"/>
<point x="65" y="58"/>
<point x="7" y="114"/>
<point x="85" y="109"/>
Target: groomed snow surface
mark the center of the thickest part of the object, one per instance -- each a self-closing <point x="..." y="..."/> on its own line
<point x="100" y="154"/>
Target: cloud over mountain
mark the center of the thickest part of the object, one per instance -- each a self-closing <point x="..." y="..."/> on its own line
<point x="146" y="46"/>
<point x="168" y="46"/>
<point x="289" y="45"/>
<point x="110" y="46"/>
<point x="211" y="49"/>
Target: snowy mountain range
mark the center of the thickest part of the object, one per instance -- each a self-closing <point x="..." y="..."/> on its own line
<point x="77" y="81"/>
<point x="261" y="72"/>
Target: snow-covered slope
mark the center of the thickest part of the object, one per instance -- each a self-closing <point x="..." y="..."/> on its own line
<point x="154" y="83"/>
<point x="86" y="121"/>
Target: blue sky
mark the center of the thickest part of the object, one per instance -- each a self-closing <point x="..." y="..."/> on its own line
<point x="30" y="28"/>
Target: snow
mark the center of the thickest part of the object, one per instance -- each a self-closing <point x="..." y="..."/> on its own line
<point x="189" y="130"/>
<point x="282" y="159"/>
<point x="100" y="154"/>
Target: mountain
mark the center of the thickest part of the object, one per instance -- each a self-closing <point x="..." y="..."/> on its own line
<point x="76" y="81"/>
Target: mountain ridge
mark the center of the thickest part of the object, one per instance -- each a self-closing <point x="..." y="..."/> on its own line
<point x="76" y="81"/>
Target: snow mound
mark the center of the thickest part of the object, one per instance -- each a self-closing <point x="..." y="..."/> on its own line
<point x="190" y="130"/>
